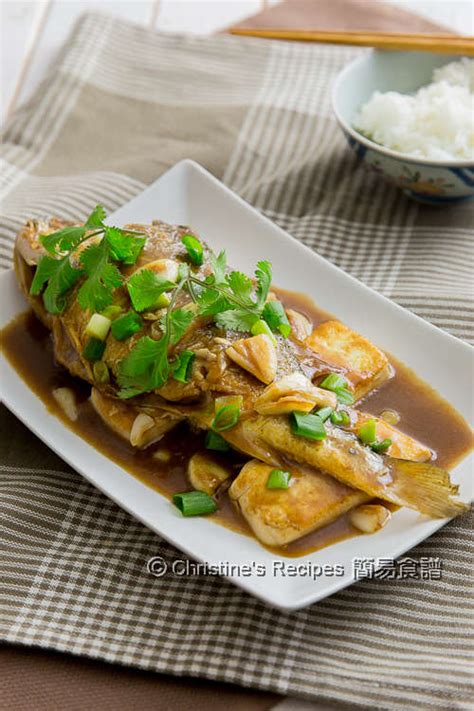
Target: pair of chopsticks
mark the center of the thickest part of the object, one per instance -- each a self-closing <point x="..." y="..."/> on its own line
<point x="443" y="43"/>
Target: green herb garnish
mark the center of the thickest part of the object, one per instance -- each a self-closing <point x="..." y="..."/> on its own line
<point x="340" y="417"/>
<point x="145" y="288"/>
<point x="125" y="326"/>
<point x="309" y="426"/>
<point x="194" y="249"/>
<point x="340" y="386"/>
<point x="274" y="314"/>
<point x="278" y="479"/>
<point x="381" y="447"/>
<point x="182" y="366"/>
<point x="56" y="272"/>
<point x="215" y="442"/>
<point x="194" y="503"/>
<point x="225" y="418"/>
<point x="94" y="349"/>
<point x="60" y="276"/>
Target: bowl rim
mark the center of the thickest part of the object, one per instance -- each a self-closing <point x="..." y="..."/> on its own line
<point x="448" y="163"/>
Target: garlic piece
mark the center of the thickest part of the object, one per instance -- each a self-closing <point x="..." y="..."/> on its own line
<point x="205" y="474"/>
<point x="293" y="392"/>
<point x="166" y="268"/>
<point x="144" y="431"/>
<point x="301" y="327"/>
<point x="257" y="355"/>
<point x="66" y="399"/>
<point x="369" y="518"/>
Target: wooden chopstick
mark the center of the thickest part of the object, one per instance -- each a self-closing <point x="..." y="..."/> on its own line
<point x="444" y="43"/>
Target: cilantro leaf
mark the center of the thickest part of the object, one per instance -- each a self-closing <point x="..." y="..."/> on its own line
<point x="145" y="287"/>
<point x="103" y="277"/>
<point x="124" y="247"/>
<point x="44" y="271"/>
<point x="219" y="267"/>
<point x="263" y="275"/>
<point x="236" y="320"/>
<point x="96" y="218"/>
<point x="145" y="368"/>
<point x="60" y="275"/>
<point x="241" y="285"/>
<point x="63" y="240"/>
<point x="180" y="320"/>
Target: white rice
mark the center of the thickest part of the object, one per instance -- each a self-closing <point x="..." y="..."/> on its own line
<point x="436" y="122"/>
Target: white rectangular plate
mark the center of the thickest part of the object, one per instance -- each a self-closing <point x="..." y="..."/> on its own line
<point x="187" y="194"/>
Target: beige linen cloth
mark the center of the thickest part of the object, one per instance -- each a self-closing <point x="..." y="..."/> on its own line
<point x="122" y="105"/>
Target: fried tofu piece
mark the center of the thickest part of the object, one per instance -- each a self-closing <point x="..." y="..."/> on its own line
<point x="279" y="516"/>
<point x="403" y="446"/>
<point x="365" y="365"/>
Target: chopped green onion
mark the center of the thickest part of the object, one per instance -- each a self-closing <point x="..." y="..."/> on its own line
<point x="194" y="503"/>
<point x="367" y="433"/>
<point x="278" y="479"/>
<point x="101" y="372"/>
<point x="309" y="426"/>
<point x="125" y="326"/>
<point x="194" y="249"/>
<point x="324" y="413"/>
<point x="98" y="326"/>
<point x="215" y="442"/>
<point x="340" y="417"/>
<point x="262" y="327"/>
<point x="182" y="366"/>
<point x="332" y="381"/>
<point x="223" y="400"/>
<point x="344" y="396"/>
<point x="381" y="447"/>
<point x="94" y="349"/>
<point x="274" y="314"/>
<point x="112" y="311"/>
<point x="338" y="385"/>
<point x="225" y="418"/>
<point x="162" y="302"/>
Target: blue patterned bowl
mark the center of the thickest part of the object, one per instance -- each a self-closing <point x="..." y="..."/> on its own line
<point x="432" y="181"/>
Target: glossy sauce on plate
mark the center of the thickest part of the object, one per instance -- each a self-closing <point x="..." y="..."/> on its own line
<point x="423" y="414"/>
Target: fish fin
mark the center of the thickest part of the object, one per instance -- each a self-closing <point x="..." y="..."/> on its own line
<point x="426" y="488"/>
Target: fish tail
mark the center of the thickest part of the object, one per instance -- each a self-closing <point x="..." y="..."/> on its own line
<point x="426" y="488"/>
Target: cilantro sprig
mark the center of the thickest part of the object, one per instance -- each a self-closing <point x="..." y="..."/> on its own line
<point x="56" y="273"/>
<point x="231" y="300"/>
<point x="147" y="366"/>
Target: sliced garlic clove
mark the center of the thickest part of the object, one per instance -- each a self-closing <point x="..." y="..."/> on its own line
<point x="166" y="268"/>
<point x="301" y="327"/>
<point x="205" y="474"/>
<point x="257" y="355"/>
<point x="293" y="392"/>
<point x="143" y="430"/>
<point x="66" y="399"/>
<point x="369" y="518"/>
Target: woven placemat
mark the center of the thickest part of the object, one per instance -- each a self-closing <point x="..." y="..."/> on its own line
<point x="123" y="105"/>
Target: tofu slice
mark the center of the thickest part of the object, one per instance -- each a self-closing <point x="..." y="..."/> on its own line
<point x="366" y="366"/>
<point x="279" y="516"/>
<point x="403" y="446"/>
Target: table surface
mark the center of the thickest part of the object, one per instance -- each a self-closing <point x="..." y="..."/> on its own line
<point x="32" y="31"/>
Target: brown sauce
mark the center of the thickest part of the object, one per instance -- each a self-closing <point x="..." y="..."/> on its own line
<point x="423" y="414"/>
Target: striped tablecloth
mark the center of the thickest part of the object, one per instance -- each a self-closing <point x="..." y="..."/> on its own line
<point x="122" y="105"/>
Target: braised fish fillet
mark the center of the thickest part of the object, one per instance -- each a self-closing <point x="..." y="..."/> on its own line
<point x="417" y="485"/>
